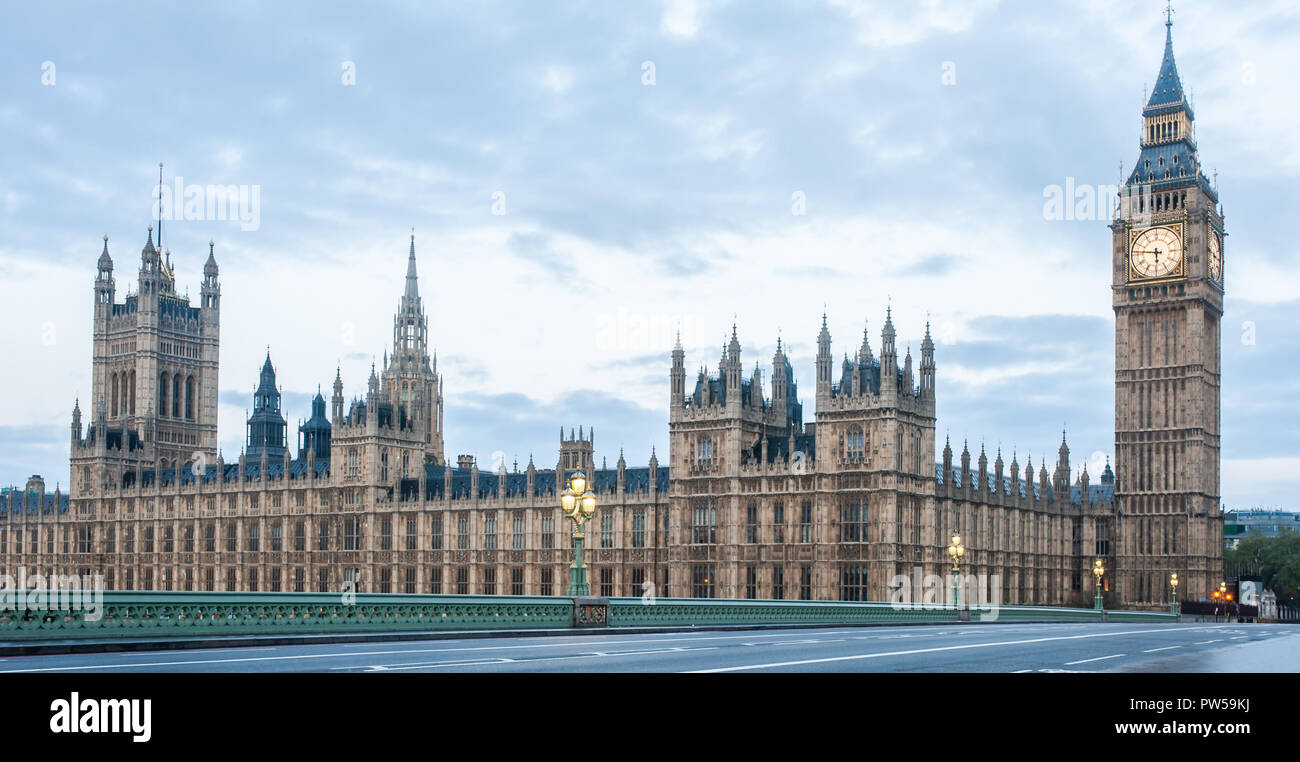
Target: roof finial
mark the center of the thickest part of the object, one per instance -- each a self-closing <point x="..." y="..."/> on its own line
<point x="1169" y="14"/>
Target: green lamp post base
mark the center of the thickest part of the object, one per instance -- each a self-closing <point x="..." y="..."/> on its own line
<point x="577" y="570"/>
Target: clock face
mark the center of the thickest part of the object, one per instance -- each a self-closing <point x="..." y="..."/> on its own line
<point x="1156" y="252"/>
<point x="1216" y="258"/>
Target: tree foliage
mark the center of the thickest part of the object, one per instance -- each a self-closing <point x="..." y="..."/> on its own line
<point x="1274" y="560"/>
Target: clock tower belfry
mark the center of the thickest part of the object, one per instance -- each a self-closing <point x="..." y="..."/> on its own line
<point x="1167" y="286"/>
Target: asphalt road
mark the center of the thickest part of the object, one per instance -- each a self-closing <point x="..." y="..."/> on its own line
<point x="969" y="648"/>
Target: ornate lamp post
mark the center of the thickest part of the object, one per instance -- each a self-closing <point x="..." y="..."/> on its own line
<point x="579" y="504"/>
<point x="1173" y="587"/>
<point x="955" y="551"/>
<point x="1223" y="596"/>
<point x="1097" y="571"/>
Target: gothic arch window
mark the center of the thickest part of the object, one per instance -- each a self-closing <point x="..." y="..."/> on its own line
<point x="704" y="452"/>
<point x="176" y="396"/>
<point x="189" y="398"/>
<point x="162" y="393"/>
<point x="130" y="385"/>
<point x="854" y="443"/>
<point x="113" y="408"/>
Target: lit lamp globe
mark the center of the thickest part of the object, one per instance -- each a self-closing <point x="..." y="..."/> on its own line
<point x="589" y="503"/>
<point x="578" y="483"/>
<point x="568" y="501"/>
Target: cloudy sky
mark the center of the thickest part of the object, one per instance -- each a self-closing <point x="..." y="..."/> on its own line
<point x="584" y="178"/>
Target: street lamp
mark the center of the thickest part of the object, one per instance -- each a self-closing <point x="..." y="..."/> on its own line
<point x="579" y="504"/>
<point x="955" y="551"/>
<point x="1223" y="596"/>
<point x="1097" y="571"/>
<point x="1173" y="594"/>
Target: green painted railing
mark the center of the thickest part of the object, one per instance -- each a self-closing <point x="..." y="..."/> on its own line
<point x="633" y="612"/>
<point x="211" y="615"/>
<point x="149" y="614"/>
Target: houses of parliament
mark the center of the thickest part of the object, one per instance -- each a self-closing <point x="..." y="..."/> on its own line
<point x="755" y="499"/>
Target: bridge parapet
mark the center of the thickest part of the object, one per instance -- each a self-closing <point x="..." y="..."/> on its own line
<point x="202" y="614"/>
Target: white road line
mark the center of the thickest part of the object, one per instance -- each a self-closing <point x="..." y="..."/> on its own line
<point x="1153" y="650"/>
<point x="291" y="657"/>
<point x="488" y="662"/>
<point x="1207" y="642"/>
<point x="1239" y="637"/>
<point x="1098" y="658"/>
<point x="687" y="637"/>
<point x="937" y="649"/>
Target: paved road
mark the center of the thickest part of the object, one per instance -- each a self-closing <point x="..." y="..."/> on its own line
<point x="971" y="648"/>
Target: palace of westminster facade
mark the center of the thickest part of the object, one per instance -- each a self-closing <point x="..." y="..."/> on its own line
<point x="754" y="502"/>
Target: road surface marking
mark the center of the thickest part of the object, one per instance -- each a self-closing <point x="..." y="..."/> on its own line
<point x="552" y="643"/>
<point x="1098" y="658"/>
<point x="1153" y="650"/>
<point x="936" y="649"/>
<point x="583" y="640"/>
<point x="491" y="662"/>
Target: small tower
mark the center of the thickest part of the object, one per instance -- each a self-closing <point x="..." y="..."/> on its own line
<point x="824" y="361"/>
<point x="678" y="377"/>
<point x="733" y="369"/>
<point x="927" y="366"/>
<point x="336" y="402"/>
<point x="1061" y="479"/>
<point x="577" y="452"/>
<point x="105" y="288"/>
<point x="888" y="357"/>
<point x="266" y="426"/>
<point x="76" y="424"/>
<point x="314" y="435"/>
<point x="211" y="288"/>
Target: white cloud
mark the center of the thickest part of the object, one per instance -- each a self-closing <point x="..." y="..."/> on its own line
<point x="229" y="157"/>
<point x="558" y="79"/>
<point x="681" y="18"/>
<point x="1255" y="482"/>
<point x="890" y="24"/>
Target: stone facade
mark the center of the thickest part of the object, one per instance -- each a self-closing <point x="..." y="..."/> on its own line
<point x="754" y="502"/>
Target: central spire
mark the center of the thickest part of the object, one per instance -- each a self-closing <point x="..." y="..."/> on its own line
<point x="412" y="288"/>
<point x="1168" y="88"/>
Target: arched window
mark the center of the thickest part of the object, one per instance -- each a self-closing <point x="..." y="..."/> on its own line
<point x="176" y="396"/>
<point x="704" y="452"/>
<point x="162" y="393"/>
<point x="189" y="398"/>
<point x="130" y="393"/>
<point x="113" y="408"/>
<point x="855" y="443"/>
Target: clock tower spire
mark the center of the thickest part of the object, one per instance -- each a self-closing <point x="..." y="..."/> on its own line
<point x="1167" y="293"/>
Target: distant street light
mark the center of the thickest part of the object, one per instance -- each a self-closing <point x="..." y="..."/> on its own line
<point x="1097" y="571"/>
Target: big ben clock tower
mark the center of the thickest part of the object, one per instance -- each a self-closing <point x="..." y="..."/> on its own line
<point x="1167" y="287"/>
